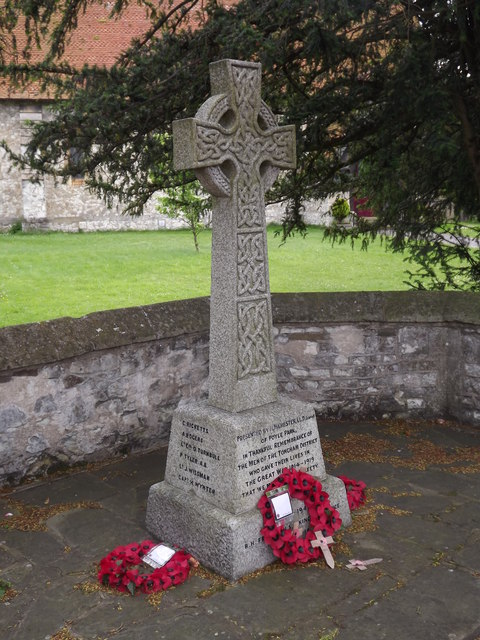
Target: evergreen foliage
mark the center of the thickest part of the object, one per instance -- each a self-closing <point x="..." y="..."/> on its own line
<point x="390" y="87"/>
<point x="190" y="203"/>
<point x="340" y="210"/>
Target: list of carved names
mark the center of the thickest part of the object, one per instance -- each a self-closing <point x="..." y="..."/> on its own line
<point x="261" y="455"/>
<point x="194" y="467"/>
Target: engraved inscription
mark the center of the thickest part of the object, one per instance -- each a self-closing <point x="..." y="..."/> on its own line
<point x="253" y="543"/>
<point x="276" y="447"/>
<point x="194" y="426"/>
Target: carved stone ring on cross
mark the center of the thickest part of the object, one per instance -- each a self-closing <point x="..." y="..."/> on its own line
<point x="237" y="132"/>
<point x="216" y="179"/>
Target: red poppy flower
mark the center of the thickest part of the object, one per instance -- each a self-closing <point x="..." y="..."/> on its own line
<point x="149" y="585"/>
<point x="146" y="545"/>
<point x="262" y="503"/>
<point x="289" y="558"/>
<point x="321" y="518"/>
<point x="276" y="542"/>
<point x="269" y="519"/>
<point x="322" y="498"/>
<point x="335" y="520"/>
<point x="166" y="582"/>
<point x="131" y="558"/>
<point x="183" y="565"/>
<point x="305" y="479"/>
<point x="114" y="580"/>
<point x="106" y="564"/>
<point x="278" y="482"/>
<point x="303" y="554"/>
<point x="133" y="576"/>
<point x="179" y="578"/>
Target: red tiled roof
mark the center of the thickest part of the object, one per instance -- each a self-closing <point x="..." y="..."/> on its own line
<point x="98" y="40"/>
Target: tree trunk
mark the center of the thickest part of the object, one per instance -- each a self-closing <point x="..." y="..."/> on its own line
<point x="195" y="237"/>
<point x="471" y="140"/>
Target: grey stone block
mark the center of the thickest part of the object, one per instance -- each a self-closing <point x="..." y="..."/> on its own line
<point x="229" y="458"/>
<point x="219" y="464"/>
<point x="229" y="544"/>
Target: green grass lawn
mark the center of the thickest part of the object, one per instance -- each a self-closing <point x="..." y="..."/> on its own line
<point x="467" y="229"/>
<point x="44" y="276"/>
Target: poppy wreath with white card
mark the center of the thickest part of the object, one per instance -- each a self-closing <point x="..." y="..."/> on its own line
<point x="119" y="569"/>
<point x="286" y="543"/>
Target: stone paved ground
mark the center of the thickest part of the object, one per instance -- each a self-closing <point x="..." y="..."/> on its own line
<point x="422" y="518"/>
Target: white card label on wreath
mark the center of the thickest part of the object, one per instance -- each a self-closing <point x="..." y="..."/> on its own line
<point x="281" y="503"/>
<point x="158" y="556"/>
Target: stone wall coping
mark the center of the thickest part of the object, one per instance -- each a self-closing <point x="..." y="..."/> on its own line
<point x="29" y="345"/>
<point x="378" y="306"/>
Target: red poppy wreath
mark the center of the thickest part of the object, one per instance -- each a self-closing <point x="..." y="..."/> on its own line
<point x="355" y="492"/>
<point x="118" y="570"/>
<point x="287" y="544"/>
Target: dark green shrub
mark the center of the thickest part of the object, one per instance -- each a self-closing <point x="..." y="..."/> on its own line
<point x="16" y="227"/>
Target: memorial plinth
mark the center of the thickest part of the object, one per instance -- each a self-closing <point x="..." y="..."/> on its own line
<point x="224" y="452"/>
<point x="219" y="464"/>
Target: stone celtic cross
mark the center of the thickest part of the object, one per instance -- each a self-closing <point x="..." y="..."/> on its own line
<point x="237" y="150"/>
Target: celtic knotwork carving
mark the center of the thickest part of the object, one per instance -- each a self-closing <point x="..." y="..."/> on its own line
<point x="212" y="144"/>
<point x="249" y="201"/>
<point x="253" y="339"/>
<point x="247" y="90"/>
<point x="239" y="127"/>
<point x="251" y="264"/>
<point x="280" y="147"/>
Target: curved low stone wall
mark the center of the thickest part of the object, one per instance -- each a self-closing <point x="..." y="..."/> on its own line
<point x="82" y="389"/>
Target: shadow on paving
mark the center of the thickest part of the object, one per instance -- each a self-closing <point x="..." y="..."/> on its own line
<point x="422" y="517"/>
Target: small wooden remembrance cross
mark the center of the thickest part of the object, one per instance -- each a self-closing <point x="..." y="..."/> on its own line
<point x="237" y="150"/>
<point x="323" y="542"/>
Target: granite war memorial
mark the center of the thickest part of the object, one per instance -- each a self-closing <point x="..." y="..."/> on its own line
<point x="224" y="451"/>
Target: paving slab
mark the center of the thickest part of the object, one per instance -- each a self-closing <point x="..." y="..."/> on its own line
<point x="84" y="487"/>
<point x="401" y="558"/>
<point x="438" y="603"/>
<point x="426" y="587"/>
